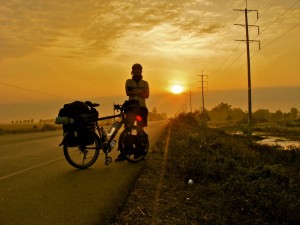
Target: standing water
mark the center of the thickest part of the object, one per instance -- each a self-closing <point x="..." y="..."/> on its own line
<point x="278" y="141"/>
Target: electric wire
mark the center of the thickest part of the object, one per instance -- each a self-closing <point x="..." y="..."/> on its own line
<point x="253" y="55"/>
<point x="277" y="38"/>
<point x="279" y="17"/>
<point x="34" y="91"/>
<point x="236" y="59"/>
<point x="219" y="44"/>
<point x="264" y="12"/>
<point x="226" y="59"/>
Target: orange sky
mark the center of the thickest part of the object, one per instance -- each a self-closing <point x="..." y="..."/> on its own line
<point x="80" y="49"/>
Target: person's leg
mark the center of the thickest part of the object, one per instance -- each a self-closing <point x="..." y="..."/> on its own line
<point x="143" y="112"/>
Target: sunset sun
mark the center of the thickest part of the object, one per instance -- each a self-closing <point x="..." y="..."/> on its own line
<point x="176" y="89"/>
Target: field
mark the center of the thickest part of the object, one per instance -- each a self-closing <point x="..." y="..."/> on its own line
<point x="198" y="175"/>
<point x="26" y="128"/>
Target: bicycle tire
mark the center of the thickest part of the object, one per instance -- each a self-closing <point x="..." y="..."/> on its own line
<point x="81" y="157"/>
<point x="134" y="144"/>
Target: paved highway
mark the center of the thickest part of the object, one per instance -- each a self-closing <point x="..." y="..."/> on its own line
<point x="38" y="186"/>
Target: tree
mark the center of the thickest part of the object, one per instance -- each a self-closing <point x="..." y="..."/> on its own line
<point x="261" y="115"/>
<point x="294" y="113"/>
<point x="154" y="110"/>
<point x="221" y="112"/>
<point x="277" y="116"/>
<point x="238" y="115"/>
<point x="223" y="107"/>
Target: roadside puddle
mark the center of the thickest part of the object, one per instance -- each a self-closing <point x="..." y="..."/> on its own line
<point x="278" y="141"/>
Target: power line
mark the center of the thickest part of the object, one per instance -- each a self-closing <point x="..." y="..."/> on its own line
<point x="236" y="59"/>
<point x="280" y="36"/>
<point x="14" y="105"/>
<point x="226" y="59"/>
<point x="266" y="45"/>
<point x="231" y="53"/>
<point x="253" y="55"/>
<point x="264" y="12"/>
<point x="275" y="39"/>
<point x="34" y="91"/>
<point x="236" y="17"/>
<point x="219" y="44"/>
<point x="279" y="17"/>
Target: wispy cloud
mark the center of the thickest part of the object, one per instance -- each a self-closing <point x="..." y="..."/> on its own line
<point x="79" y="29"/>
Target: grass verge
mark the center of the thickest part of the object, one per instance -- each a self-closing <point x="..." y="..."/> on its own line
<point x="233" y="182"/>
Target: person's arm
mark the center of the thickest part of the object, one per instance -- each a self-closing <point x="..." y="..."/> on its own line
<point x="130" y="92"/>
<point x="145" y="93"/>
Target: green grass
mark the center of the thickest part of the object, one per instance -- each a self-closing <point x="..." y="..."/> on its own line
<point x="235" y="183"/>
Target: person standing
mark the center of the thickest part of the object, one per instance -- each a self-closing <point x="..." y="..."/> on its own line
<point x="137" y="89"/>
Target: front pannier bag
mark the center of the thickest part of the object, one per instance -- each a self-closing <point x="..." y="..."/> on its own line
<point x="79" y="122"/>
<point x="131" y="106"/>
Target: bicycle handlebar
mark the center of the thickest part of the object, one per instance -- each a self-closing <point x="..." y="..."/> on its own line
<point x="118" y="107"/>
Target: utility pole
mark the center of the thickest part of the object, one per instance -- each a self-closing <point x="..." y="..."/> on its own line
<point x="191" y="101"/>
<point x="188" y="100"/>
<point x="202" y="89"/>
<point x="246" y="25"/>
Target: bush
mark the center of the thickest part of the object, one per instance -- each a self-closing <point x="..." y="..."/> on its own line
<point x="48" y="127"/>
<point x="246" y="184"/>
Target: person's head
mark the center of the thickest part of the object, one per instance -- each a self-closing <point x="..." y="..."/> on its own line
<point x="136" y="71"/>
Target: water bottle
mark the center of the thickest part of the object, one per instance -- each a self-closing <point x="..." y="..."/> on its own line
<point x="113" y="128"/>
<point x="111" y="131"/>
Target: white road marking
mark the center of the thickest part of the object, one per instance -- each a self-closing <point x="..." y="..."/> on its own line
<point x="30" y="168"/>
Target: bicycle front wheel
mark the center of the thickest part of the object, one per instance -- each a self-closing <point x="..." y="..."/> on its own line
<point x="81" y="157"/>
<point x="134" y="144"/>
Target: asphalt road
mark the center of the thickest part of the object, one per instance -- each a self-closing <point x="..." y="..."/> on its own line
<point x="38" y="186"/>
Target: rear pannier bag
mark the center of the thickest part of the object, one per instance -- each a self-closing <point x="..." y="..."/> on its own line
<point x="79" y="121"/>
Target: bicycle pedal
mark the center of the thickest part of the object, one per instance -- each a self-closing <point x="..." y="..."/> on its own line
<point x="108" y="160"/>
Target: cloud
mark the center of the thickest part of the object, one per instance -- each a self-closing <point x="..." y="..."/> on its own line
<point x="90" y="28"/>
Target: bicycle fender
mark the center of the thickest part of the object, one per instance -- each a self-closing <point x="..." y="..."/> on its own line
<point x="64" y="139"/>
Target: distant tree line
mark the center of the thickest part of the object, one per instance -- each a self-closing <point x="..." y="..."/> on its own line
<point x="154" y="115"/>
<point x="22" y="121"/>
<point x="31" y="121"/>
<point x="224" y="113"/>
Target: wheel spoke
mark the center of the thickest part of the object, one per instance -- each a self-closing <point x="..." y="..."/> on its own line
<point x="134" y="144"/>
<point x="80" y="157"/>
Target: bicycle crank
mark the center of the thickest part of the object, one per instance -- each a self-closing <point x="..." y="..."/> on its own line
<point x="108" y="160"/>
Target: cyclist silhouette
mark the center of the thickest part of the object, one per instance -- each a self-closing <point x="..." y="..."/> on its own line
<point x="137" y="89"/>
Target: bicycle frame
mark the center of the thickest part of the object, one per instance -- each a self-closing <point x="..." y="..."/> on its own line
<point x="133" y="142"/>
<point x="99" y="129"/>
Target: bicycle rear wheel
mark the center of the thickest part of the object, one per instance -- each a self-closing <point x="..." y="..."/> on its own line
<point x="81" y="157"/>
<point x="134" y="144"/>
